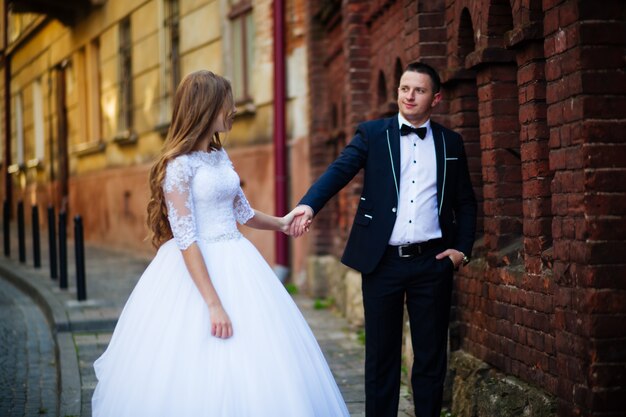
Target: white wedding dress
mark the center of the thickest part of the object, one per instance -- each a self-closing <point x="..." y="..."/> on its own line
<point x="162" y="360"/>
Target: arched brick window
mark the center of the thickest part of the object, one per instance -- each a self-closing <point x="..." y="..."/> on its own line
<point x="499" y="21"/>
<point x="462" y="94"/>
<point x="500" y="142"/>
<point x="397" y="74"/>
<point x="465" y="43"/>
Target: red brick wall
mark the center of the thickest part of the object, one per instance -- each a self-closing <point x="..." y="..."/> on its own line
<point x="499" y="142"/>
<point x="534" y="149"/>
<point x="586" y="97"/>
<point x="327" y="73"/>
<point x="538" y="90"/>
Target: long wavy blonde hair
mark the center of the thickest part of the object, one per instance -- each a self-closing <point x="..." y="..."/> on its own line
<point x="200" y="98"/>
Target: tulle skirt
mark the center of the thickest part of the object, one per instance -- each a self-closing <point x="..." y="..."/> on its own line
<point x="163" y="361"/>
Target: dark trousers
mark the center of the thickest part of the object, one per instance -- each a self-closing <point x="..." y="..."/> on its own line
<point x="426" y="285"/>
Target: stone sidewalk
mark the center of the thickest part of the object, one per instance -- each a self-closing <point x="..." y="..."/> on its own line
<point x="28" y="366"/>
<point x="83" y="329"/>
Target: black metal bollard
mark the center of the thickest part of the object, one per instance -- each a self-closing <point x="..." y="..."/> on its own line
<point x="6" y="227"/>
<point x="52" y="242"/>
<point x="36" y="237"/>
<point x="21" y="234"/>
<point x="79" y="248"/>
<point x="63" y="250"/>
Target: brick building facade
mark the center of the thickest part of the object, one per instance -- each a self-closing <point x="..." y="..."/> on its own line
<point x="538" y="91"/>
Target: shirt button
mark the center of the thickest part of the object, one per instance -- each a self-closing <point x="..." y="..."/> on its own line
<point x="410" y="221"/>
<point x="393" y="210"/>
<point x="411" y="201"/>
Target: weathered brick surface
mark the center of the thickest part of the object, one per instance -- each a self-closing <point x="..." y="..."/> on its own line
<point x="538" y="90"/>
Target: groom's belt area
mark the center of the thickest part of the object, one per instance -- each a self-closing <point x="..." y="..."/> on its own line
<point x="413" y="249"/>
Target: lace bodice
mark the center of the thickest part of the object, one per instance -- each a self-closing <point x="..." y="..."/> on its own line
<point x="204" y="199"/>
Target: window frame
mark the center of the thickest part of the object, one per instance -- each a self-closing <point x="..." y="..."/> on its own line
<point x="125" y="117"/>
<point x="241" y="11"/>
<point x="172" y="25"/>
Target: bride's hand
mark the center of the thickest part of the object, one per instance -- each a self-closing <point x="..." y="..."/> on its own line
<point x="288" y="219"/>
<point x="220" y="322"/>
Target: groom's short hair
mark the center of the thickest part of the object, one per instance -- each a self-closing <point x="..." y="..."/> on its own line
<point x="423" y="68"/>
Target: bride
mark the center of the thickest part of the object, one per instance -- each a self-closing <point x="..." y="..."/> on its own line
<point x="209" y="330"/>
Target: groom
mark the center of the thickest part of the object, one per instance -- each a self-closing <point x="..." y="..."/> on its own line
<point x="414" y="226"/>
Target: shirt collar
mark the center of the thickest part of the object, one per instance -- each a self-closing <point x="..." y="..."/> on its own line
<point x="403" y="121"/>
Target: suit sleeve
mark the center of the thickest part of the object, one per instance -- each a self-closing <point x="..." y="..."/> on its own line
<point x="465" y="210"/>
<point x="339" y="173"/>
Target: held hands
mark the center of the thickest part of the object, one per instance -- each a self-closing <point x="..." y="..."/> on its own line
<point x="297" y="222"/>
<point x="220" y="322"/>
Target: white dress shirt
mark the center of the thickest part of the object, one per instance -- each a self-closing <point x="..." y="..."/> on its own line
<point x="417" y="219"/>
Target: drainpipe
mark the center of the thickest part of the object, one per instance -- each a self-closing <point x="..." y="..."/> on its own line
<point x="280" y="154"/>
<point x="8" y="191"/>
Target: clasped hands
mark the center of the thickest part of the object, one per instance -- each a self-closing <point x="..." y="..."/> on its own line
<point x="297" y="221"/>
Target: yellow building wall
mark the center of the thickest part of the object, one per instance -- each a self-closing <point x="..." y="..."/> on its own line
<point x="109" y="184"/>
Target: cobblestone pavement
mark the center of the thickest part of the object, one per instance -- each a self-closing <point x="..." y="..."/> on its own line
<point x="28" y="368"/>
<point x="89" y="347"/>
<point x="83" y="329"/>
<point x="345" y="354"/>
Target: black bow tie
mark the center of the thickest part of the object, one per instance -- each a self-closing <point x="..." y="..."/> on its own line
<point x="420" y="131"/>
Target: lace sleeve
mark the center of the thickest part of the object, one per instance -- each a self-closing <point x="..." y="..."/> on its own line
<point x="243" y="211"/>
<point x="180" y="211"/>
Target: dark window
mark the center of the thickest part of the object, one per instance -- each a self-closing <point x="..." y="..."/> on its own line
<point x="242" y="25"/>
<point x="172" y="27"/>
<point x="397" y="74"/>
<point x="125" y="114"/>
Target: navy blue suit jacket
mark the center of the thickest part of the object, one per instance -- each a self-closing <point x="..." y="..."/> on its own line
<point x="374" y="146"/>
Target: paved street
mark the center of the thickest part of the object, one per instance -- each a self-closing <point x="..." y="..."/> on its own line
<point x="28" y="371"/>
<point x="28" y="368"/>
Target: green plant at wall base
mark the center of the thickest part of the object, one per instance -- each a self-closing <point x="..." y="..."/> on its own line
<point x="445" y="413"/>
<point x="291" y="289"/>
<point x="403" y="368"/>
<point x="360" y="335"/>
<point x="323" y="303"/>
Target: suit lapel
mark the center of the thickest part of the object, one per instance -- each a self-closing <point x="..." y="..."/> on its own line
<point x="394" y="140"/>
<point x="440" y="151"/>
